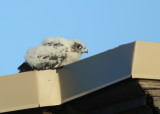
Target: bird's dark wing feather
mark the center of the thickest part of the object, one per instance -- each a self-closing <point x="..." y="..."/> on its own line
<point x="53" y="44"/>
<point x="44" y="66"/>
<point x="50" y="64"/>
<point x="25" y="67"/>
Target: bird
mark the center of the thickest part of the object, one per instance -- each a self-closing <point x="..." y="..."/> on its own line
<point x="53" y="53"/>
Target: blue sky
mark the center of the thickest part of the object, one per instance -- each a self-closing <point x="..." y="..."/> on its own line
<point x="101" y="24"/>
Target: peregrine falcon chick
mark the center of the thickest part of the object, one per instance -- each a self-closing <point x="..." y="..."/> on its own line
<point x="53" y="53"/>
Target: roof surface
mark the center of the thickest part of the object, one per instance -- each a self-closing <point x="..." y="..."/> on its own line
<point x="54" y="87"/>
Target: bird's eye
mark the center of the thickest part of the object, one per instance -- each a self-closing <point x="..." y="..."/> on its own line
<point x="79" y="46"/>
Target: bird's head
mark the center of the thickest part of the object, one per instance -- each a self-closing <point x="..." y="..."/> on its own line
<point x="78" y="47"/>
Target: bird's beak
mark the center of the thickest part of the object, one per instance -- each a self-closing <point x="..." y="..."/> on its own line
<point x="85" y="51"/>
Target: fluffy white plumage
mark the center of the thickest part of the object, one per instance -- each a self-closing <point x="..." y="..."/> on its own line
<point x="54" y="52"/>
